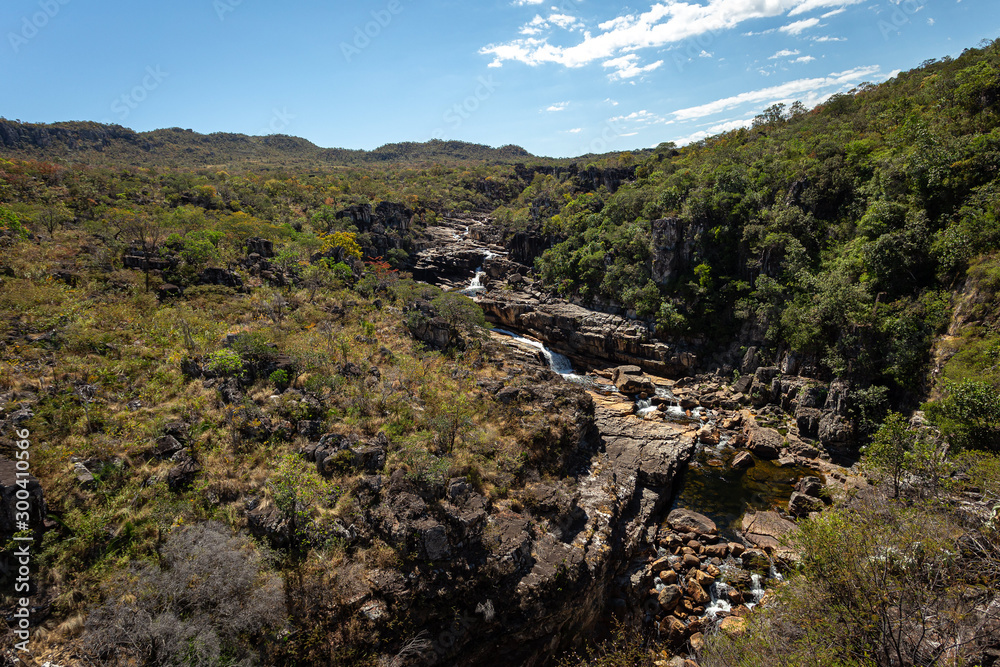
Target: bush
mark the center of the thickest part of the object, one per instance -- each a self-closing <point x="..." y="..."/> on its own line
<point x="969" y="415"/>
<point x="225" y="362"/>
<point x="209" y="603"/>
<point x="459" y="311"/>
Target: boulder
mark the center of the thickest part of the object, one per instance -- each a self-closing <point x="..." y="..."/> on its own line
<point x="673" y="629"/>
<point x="834" y="431"/>
<point x="800" y="504"/>
<point x="742" y="460"/>
<point x="697" y="593"/>
<point x="182" y="474"/>
<point x="733" y="626"/>
<point x="812" y="395"/>
<point x="708" y="435"/>
<point x="669" y="597"/>
<point x="807" y="420"/>
<point x="688" y="521"/>
<point x="631" y="380"/>
<point x="765" y="443"/>
<point x="811" y="486"/>
<point x="765" y="529"/>
<point x="166" y="446"/>
<point x="84" y="477"/>
<point x="435" y="540"/>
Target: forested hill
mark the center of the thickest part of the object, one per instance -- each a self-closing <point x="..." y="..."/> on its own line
<point x="836" y="239"/>
<point x="114" y="145"/>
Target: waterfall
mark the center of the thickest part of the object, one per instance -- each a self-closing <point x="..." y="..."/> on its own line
<point x="476" y="286"/>
<point x="644" y="406"/>
<point x="756" y="589"/>
<point x="557" y="362"/>
<point x="718" y="592"/>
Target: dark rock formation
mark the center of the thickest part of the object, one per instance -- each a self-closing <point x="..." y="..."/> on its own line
<point x="9" y="510"/>
<point x="673" y="247"/>
<point x="584" y="334"/>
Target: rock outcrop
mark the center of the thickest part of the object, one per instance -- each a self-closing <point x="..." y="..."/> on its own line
<point x="586" y="335"/>
<point x="10" y="483"/>
<point x="547" y="566"/>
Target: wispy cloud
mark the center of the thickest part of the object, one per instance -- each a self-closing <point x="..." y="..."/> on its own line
<point x="559" y="106"/>
<point x="804" y="59"/>
<point x="810" y="5"/>
<point x="715" y="129"/>
<point x="538" y="25"/>
<point x="666" y="22"/>
<point x="797" y="27"/>
<point x="575" y="130"/>
<point x="522" y="3"/>
<point x="783" y="92"/>
<point x="627" y="67"/>
<point x="784" y="53"/>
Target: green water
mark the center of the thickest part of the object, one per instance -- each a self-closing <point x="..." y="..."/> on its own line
<point x="724" y="494"/>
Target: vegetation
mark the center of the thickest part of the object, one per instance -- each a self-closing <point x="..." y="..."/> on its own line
<point x="189" y="318"/>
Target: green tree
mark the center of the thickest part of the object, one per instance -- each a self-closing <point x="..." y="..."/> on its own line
<point x="969" y="415"/>
<point x="459" y="311"/>
<point x="885" y="456"/>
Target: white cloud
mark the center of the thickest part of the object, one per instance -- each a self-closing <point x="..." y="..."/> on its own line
<point x="784" y="53"/>
<point x="627" y="67"/>
<point x="522" y="3"/>
<point x="930" y="21"/>
<point x="575" y="130"/>
<point x="810" y="5"/>
<point x="538" y="25"/>
<point x="666" y="22"/>
<point x="833" y="13"/>
<point x="827" y="38"/>
<point x="786" y="92"/>
<point x="612" y="102"/>
<point x="705" y="54"/>
<point x="804" y="59"/>
<point x="798" y="26"/>
<point x="559" y="106"/>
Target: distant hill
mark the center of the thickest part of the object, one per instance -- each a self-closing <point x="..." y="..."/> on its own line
<point x="96" y="143"/>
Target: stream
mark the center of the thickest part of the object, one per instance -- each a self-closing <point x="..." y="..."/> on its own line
<point x="708" y="485"/>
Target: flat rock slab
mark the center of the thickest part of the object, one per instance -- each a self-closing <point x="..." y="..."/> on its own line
<point x="765" y="529"/>
<point x="688" y="521"/>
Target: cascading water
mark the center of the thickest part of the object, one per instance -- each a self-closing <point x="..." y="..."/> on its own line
<point x="476" y="286"/>
<point x="719" y="594"/>
<point x="557" y="362"/>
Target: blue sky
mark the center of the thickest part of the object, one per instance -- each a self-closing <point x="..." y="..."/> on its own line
<point x="558" y="78"/>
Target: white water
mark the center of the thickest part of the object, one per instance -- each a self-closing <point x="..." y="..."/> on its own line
<point x="557" y="362"/>
<point x="720" y="600"/>
<point x="476" y="286"/>
<point x="756" y="589"/>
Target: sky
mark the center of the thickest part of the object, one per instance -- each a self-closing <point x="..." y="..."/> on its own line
<point x="560" y="78"/>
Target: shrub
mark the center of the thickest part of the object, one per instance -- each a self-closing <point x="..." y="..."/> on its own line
<point x="225" y="362"/>
<point x="209" y="603"/>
